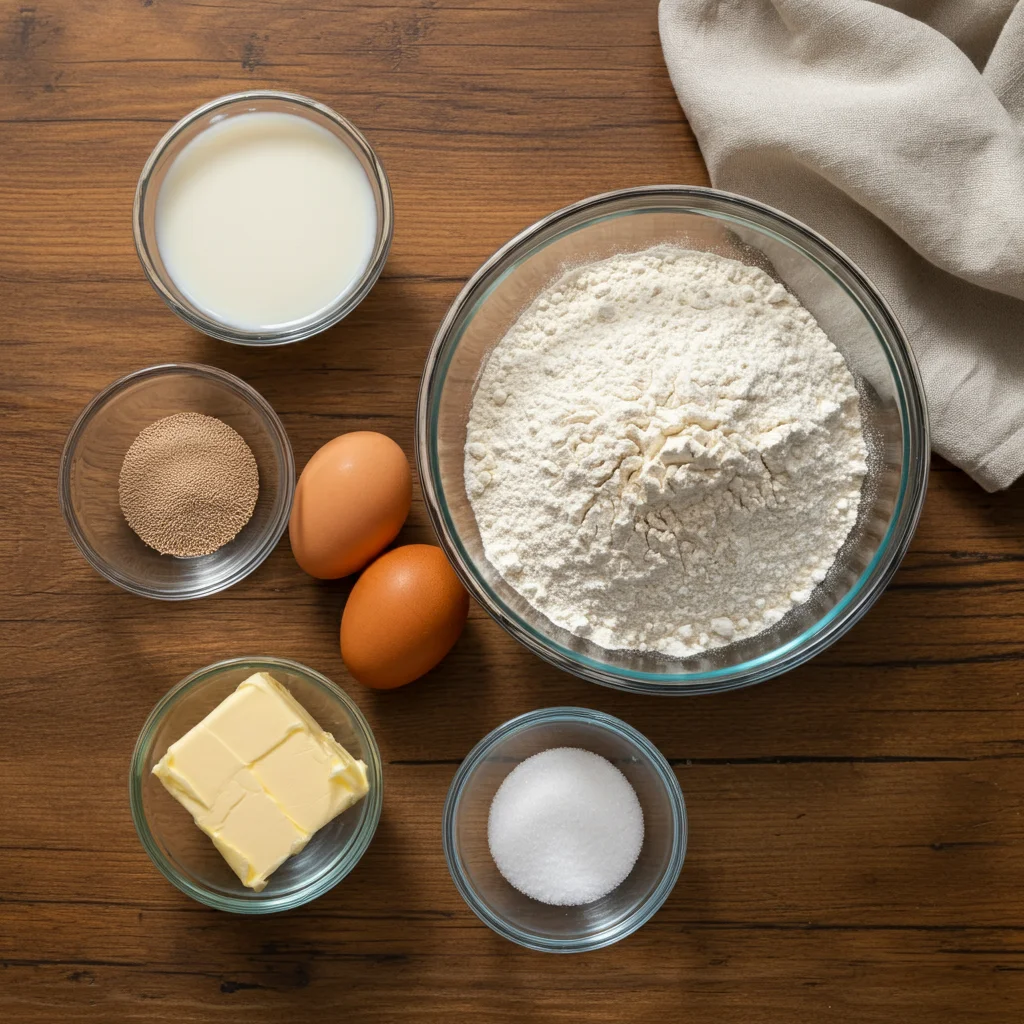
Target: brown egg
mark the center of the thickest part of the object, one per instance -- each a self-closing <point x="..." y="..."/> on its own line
<point x="351" y="500"/>
<point x="403" y="616"/>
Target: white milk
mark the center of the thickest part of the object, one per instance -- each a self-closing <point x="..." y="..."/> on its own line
<point x="265" y="219"/>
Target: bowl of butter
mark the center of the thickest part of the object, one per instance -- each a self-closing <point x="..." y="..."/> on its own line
<point x="256" y="785"/>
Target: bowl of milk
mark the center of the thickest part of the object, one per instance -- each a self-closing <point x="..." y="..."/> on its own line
<point x="263" y="218"/>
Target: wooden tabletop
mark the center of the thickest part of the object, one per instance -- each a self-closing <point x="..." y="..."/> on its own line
<point x="857" y="846"/>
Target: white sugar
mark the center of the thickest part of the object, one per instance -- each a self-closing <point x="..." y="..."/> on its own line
<point x="565" y="827"/>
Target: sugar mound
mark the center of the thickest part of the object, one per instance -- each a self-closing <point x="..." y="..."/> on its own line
<point x="565" y="827"/>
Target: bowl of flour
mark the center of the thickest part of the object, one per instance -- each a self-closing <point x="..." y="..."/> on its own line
<point x="672" y="440"/>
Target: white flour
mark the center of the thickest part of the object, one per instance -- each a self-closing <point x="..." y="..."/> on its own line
<point x="665" y="452"/>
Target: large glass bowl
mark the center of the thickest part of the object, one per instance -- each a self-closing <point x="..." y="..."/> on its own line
<point x="186" y="856"/>
<point x="557" y="929"/>
<point x="91" y="465"/>
<point x="848" y="308"/>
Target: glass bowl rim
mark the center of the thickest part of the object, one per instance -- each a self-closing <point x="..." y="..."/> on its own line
<point x="646" y="908"/>
<point x="275" y="429"/>
<point x="304" y="329"/>
<point x="900" y="358"/>
<point x="347" y="858"/>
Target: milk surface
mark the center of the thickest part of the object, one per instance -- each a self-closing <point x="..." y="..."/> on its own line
<point x="265" y="219"/>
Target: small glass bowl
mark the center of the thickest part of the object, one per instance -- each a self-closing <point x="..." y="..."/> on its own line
<point x="527" y="921"/>
<point x="174" y="142"/>
<point x="91" y="464"/>
<point x="849" y="310"/>
<point x="186" y="856"/>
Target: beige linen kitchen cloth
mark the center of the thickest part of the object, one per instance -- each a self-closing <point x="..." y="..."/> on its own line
<point x="896" y="130"/>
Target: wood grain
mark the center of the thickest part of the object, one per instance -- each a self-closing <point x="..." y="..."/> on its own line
<point x="857" y="845"/>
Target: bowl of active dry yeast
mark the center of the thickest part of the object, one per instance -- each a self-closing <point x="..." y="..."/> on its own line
<point x="176" y="481"/>
<point x="672" y="440"/>
<point x="263" y="218"/>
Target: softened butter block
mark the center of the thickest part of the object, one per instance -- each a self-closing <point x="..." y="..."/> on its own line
<point x="254" y="719"/>
<point x="255" y="836"/>
<point x="200" y="766"/>
<point x="260" y="777"/>
<point x="315" y="781"/>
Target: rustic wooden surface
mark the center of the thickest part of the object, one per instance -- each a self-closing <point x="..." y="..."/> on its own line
<point x="857" y="848"/>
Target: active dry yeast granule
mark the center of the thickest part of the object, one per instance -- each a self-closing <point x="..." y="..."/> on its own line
<point x="188" y="484"/>
<point x="665" y="452"/>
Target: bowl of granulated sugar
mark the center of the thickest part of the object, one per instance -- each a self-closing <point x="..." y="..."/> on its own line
<point x="176" y="481"/>
<point x="565" y="830"/>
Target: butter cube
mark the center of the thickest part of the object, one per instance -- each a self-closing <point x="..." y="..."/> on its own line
<point x="260" y="777"/>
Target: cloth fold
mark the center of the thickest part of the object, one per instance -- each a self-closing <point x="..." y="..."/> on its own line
<point x="896" y="130"/>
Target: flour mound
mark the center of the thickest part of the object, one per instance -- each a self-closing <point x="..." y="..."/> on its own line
<point x="664" y="453"/>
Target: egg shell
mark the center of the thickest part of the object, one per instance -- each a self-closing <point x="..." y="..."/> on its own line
<point x="350" y="502"/>
<point x="403" y="616"/>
